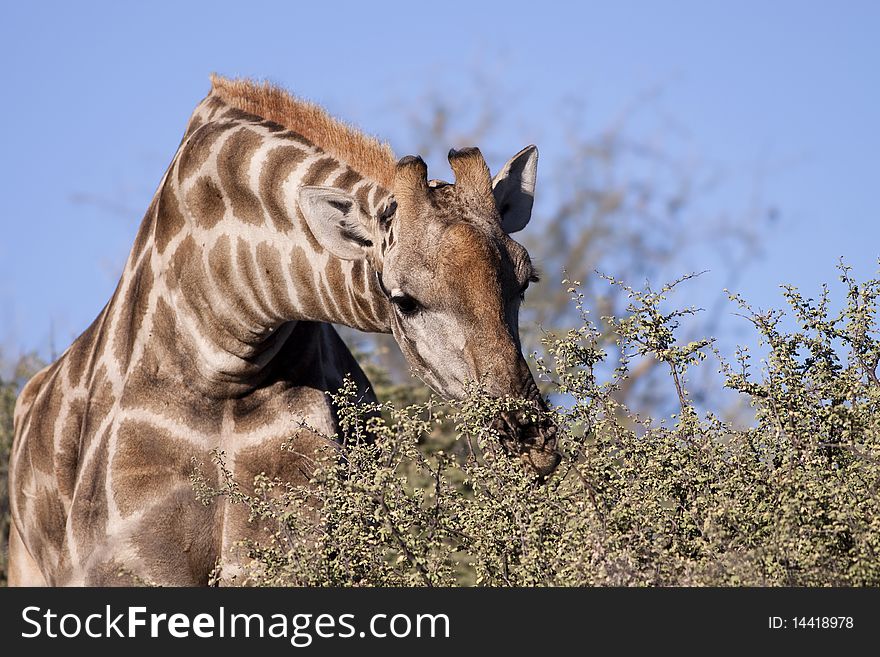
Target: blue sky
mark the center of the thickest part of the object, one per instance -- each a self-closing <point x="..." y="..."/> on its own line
<point x="96" y="96"/>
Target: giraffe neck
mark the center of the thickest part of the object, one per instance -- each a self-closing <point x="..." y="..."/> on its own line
<point x="225" y="262"/>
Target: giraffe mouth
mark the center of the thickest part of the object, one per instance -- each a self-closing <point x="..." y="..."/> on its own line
<point x="533" y="441"/>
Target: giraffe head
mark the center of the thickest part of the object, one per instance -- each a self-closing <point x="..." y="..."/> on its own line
<point x="453" y="277"/>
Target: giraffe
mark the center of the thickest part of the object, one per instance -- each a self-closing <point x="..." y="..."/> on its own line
<point x="273" y="221"/>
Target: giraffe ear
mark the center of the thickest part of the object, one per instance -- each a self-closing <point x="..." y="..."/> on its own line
<point x="336" y="221"/>
<point x="514" y="189"/>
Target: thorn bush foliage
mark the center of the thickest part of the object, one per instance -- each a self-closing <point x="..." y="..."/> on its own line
<point x="418" y="492"/>
<point x="791" y="499"/>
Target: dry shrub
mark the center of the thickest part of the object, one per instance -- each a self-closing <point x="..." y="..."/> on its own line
<point x="790" y="499"/>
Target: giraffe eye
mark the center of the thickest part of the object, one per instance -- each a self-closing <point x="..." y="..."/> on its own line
<point x="406" y="305"/>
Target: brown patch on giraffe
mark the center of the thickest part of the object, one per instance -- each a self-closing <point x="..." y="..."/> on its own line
<point x="318" y="171"/>
<point x="330" y="303"/>
<point x="362" y="153"/>
<point x="40" y="445"/>
<point x="88" y="511"/>
<point x="290" y="135"/>
<point x="295" y="465"/>
<point x="307" y="299"/>
<point x="185" y="551"/>
<point x="50" y="517"/>
<point x="185" y="263"/>
<point x="363" y="197"/>
<point x="100" y="401"/>
<point x="158" y="384"/>
<point x="80" y="358"/>
<point x="279" y="164"/>
<point x="347" y="180"/>
<point x="337" y="287"/>
<point x="236" y="114"/>
<point x="247" y="268"/>
<point x="249" y="413"/>
<point x="132" y="313"/>
<point x="32" y="388"/>
<point x="194" y="124"/>
<point x="378" y="195"/>
<point x="148" y="462"/>
<point x="169" y="217"/>
<point x="361" y="299"/>
<point x="269" y="260"/>
<point x="205" y="202"/>
<point x="358" y="279"/>
<point x="220" y="263"/>
<point x="365" y="314"/>
<point x="233" y="165"/>
<point x="68" y="448"/>
<point x="196" y="151"/>
<point x="165" y="329"/>
<point x="81" y="351"/>
<point x="271" y="126"/>
<point x="142" y="238"/>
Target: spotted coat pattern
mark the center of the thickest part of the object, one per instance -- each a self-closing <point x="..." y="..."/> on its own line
<point x="217" y="337"/>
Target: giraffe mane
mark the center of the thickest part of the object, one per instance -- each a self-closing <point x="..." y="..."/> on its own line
<point x="363" y="153"/>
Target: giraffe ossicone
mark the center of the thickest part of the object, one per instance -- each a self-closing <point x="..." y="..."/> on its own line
<point x="272" y="222"/>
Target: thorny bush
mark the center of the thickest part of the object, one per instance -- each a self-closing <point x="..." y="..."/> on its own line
<point x="788" y="498"/>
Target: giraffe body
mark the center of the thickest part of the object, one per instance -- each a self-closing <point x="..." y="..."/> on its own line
<point x="218" y="336"/>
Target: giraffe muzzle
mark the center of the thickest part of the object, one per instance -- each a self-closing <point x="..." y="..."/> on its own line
<point x="533" y="441"/>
